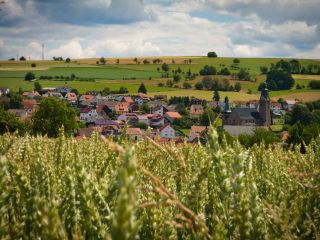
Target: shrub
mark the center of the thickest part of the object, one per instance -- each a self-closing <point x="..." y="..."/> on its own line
<point x="314" y="84"/>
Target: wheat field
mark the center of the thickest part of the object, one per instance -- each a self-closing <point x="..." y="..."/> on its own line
<point x="101" y="189"/>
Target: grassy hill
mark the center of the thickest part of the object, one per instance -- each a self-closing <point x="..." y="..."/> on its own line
<point x="130" y="74"/>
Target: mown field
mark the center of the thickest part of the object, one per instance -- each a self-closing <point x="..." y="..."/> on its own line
<point x="99" y="189"/>
<point x="129" y="74"/>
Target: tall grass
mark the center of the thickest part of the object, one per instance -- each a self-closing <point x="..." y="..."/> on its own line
<point x="98" y="189"/>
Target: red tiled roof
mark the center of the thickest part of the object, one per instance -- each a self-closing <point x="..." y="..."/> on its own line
<point x="134" y="131"/>
<point x="164" y="126"/>
<point x="198" y="129"/>
<point x="85" y="110"/>
<point x="87" y="97"/>
<point x="174" y="115"/>
<point x="29" y="103"/>
<point x="127" y="99"/>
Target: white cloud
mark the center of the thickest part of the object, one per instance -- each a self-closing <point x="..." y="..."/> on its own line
<point x="72" y="49"/>
<point x="172" y="32"/>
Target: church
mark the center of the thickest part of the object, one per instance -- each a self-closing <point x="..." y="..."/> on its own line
<point x="245" y="120"/>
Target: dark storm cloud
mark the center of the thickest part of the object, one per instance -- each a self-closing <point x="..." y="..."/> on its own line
<point x="79" y="12"/>
<point x="273" y="11"/>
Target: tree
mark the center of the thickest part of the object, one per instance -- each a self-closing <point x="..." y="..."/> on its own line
<point x="198" y="86"/>
<point x="118" y="61"/>
<point x="208" y="70"/>
<point x="68" y="60"/>
<point x="53" y="114"/>
<point x="105" y="91"/>
<point x="135" y="60"/>
<point x="37" y="86"/>
<point x="123" y="90"/>
<point x="212" y="55"/>
<point x="216" y="96"/>
<point x="187" y="85"/>
<point x="236" y="61"/>
<point x="244" y="74"/>
<point x="10" y="123"/>
<point x="29" y="76"/>
<point x="142" y="89"/>
<point x="224" y="71"/>
<point x="207" y="117"/>
<point x="264" y="69"/>
<point x="260" y="135"/>
<point x="176" y="78"/>
<point x="102" y="60"/>
<point x="22" y="58"/>
<point x="314" y="84"/>
<point x="165" y="67"/>
<point x="237" y="87"/>
<point x="145" y="108"/>
<point x="278" y="79"/>
<point x="11" y="101"/>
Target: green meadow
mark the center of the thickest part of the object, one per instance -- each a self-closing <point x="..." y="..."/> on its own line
<point x="129" y="74"/>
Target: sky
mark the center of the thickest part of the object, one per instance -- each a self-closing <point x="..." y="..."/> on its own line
<point x="135" y="28"/>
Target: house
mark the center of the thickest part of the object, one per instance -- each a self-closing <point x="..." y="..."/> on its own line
<point x="288" y="104"/>
<point x="160" y="97"/>
<point x="134" y="133"/>
<point x="160" y="110"/>
<point x="130" y="118"/>
<point x="142" y="98"/>
<point x="64" y="90"/>
<point x="240" y="104"/>
<point x="86" y="100"/>
<point x="93" y="93"/>
<point x="32" y="94"/>
<point x="121" y="107"/>
<point x="167" y="132"/>
<point x="143" y="119"/>
<point x="19" y="113"/>
<point x="88" y="114"/>
<point x="53" y="94"/>
<point x="242" y="117"/>
<point x="107" y="122"/>
<point x="275" y="106"/>
<point x="156" y="103"/>
<point x="71" y="98"/>
<point x="196" y="131"/>
<point x="156" y="120"/>
<point x="196" y="111"/>
<point x="4" y="91"/>
<point x="253" y="104"/>
<point x="29" y="105"/>
<point x="215" y="104"/>
<point x="114" y="130"/>
<point x="134" y="108"/>
<point x="127" y="99"/>
<point x="171" y="116"/>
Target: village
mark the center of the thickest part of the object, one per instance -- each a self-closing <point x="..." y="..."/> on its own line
<point x="158" y="118"/>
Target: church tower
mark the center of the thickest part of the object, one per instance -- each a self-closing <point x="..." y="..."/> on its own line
<point x="264" y="106"/>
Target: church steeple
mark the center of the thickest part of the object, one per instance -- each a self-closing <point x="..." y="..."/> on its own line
<point x="226" y="104"/>
<point x="264" y="106"/>
<point x="265" y="92"/>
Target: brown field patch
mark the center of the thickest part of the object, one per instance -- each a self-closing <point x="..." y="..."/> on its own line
<point x="23" y="68"/>
<point x="306" y="77"/>
<point x="125" y="61"/>
<point x="306" y="96"/>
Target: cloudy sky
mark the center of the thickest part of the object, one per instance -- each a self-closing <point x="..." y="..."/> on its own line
<point x="129" y="28"/>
